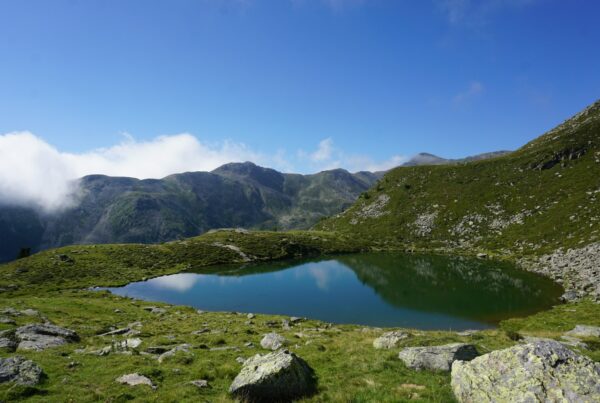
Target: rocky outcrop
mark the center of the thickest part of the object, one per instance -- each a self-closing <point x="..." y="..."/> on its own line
<point x="544" y="371"/>
<point x="273" y="341"/>
<point x="278" y="376"/>
<point x="577" y="270"/>
<point x="389" y="340"/>
<point x="20" y="371"/>
<point x="439" y="358"/>
<point x="38" y="337"/>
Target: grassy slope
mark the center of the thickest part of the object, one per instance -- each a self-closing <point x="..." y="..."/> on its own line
<point x="348" y="367"/>
<point x="537" y="199"/>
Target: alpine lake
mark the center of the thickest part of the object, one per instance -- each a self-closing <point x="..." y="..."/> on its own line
<point x="374" y="289"/>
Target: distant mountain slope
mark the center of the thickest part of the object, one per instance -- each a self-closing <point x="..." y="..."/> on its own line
<point x="539" y="198"/>
<point x="430" y="159"/>
<point x="124" y="210"/>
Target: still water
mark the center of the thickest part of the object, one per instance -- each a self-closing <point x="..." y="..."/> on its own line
<point x="377" y="289"/>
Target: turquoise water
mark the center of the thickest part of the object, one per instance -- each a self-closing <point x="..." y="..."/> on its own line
<point x="377" y="289"/>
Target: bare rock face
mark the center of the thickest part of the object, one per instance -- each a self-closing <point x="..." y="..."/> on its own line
<point x="38" y="337"/>
<point x="273" y="341"/>
<point x="20" y="371"/>
<point x="543" y="371"/>
<point x="278" y="376"/>
<point x="439" y="358"/>
<point x="389" y="340"/>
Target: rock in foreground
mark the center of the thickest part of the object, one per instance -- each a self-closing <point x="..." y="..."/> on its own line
<point x="279" y="376"/>
<point x="389" y="340"/>
<point x="438" y="358"/>
<point x="542" y="371"/>
<point x="20" y="371"/>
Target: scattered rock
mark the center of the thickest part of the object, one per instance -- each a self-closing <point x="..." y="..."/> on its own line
<point x="285" y="324"/>
<point x="251" y="316"/>
<point x="115" y="332"/>
<point x="544" y="371"/>
<point x="295" y="319"/>
<point x="466" y="333"/>
<point x="569" y="296"/>
<point x="482" y="255"/>
<point x="20" y="370"/>
<point x="183" y="347"/>
<point x="154" y="309"/>
<point x="30" y="312"/>
<point x="201" y="331"/>
<point x="10" y="311"/>
<point x="7" y="321"/>
<point x="200" y="383"/>
<point x="584" y="331"/>
<point x="278" y="376"/>
<point x="437" y="357"/>
<point x="241" y="360"/>
<point x="39" y="337"/>
<point x="135" y="379"/>
<point x="156" y="350"/>
<point x="390" y="339"/>
<point x="273" y="341"/>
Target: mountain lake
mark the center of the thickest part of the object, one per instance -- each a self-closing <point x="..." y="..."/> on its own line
<point x="374" y="289"/>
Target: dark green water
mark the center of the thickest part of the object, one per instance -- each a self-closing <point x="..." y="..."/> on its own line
<point x="383" y="289"/>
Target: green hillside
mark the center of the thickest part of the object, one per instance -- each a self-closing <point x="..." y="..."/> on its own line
<point x="540" y="198"/>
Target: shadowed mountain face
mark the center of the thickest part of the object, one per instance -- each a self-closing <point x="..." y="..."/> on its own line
<point x="124" y="210"/>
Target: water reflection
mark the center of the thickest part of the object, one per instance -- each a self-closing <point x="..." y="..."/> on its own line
<point x="373" y="289"/>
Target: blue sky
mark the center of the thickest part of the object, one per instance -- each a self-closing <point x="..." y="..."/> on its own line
<point x="300" y="85"/>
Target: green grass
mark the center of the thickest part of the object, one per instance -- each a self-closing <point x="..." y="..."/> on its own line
<point x="347" y="366"/>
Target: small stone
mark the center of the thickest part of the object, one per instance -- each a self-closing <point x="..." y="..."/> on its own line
<point x="201" y="331"/>
<point x="273" y="341"/>
<point x="183" y="348"/>
<point x="251" y="316"/>
<point x="295" y="319"/>
<point x="7" y="321"/>
<point x="200" y="383"/>
<point x="30" y="312"/>
<point x="584" y="331"/>
<point x="135" y="379"/>
<point x="389" y="340"/>
<point x="241" y="360"/>
<point x="115" y="332"/>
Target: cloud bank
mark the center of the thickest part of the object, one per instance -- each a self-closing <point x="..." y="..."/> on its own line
<point x="36" y="174"/>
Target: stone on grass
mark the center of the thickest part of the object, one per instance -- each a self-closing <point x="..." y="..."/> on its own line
<point x="200" y="383"/>
<point x="38" y="337"/>
<point x="438" y="358"/>
<point x="273" y="341"/>
<point x="543" y="371"/>
<point x="7" y="321"/>
<point x="278" y="376"/>
<point x="135" y="379"/>
<point x="20" y="370"/>
<point x="185" y="348"/>
<point x="584" y="331"/>
<point x="389" y="340"/>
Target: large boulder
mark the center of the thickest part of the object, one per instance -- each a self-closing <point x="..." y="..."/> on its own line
<point x="20" y="370"/>
<point x="543" y="371"/>
<point x="389" y="340"/>
<point x="39" y="337"/>
<point x="438" y="358"/>
<point x="273" y="341"/>
<point x="278" y="376"/>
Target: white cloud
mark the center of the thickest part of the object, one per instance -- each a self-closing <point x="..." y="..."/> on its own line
<point x="328" y="156"/>
<point x="32" y="172"/>
<point x="35" y="173"/>
<point x="474" y="89"/>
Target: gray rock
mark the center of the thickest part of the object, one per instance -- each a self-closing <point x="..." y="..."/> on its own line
<point x="30" y="312"/>
<point x="39" y="337"/>
<point x="437" y="357"/>
<point x="200" y="383"/>
<point x="10" y="311"/>
<point x="389" y="340"/>
<point x="295" y="319"/>
<point x="154" y="309"/>
<point x="278" y="376"/>
<point x="273" y="341"/>
<point x="171" y="353"/>
<point x="115" y="332"/>
<point x="135" y="379"/>
<point x="19" y="370"/>
<point x="8" y="344"/>
<point x="584" y="331"/>
<point x="569" y="296"/>
<point x="251" y="316"/>
<point x="544" y="371"/>
<point x="7" y="321"/>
